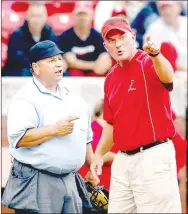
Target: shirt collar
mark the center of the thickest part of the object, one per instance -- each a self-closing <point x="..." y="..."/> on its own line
<point x="44" y="90"/>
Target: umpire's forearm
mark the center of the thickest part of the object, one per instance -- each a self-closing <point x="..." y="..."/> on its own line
<point x="163" y="68"/>
<point x="36" y="136"/>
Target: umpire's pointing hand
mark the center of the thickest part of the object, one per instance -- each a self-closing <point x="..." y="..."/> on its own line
<point x="65" y="126"/>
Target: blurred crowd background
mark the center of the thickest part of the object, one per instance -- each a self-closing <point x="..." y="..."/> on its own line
<point x="75" y="27"/>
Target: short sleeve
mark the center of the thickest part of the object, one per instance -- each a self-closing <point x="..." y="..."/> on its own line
<point x="148" y="64"/>
<point x="107" y="113"/>
<point x="21" y="116"/>
<point x="89" y="132"/>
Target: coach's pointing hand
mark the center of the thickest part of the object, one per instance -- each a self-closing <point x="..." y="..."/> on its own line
<point x="65" y="126"/>
<point x="151" y="47"/>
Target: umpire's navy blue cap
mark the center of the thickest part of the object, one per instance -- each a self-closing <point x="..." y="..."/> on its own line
<point x="43" y="50"/>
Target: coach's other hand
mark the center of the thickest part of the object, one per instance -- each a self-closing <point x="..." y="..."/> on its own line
<point x="65" y="126"/>
<point x="96" y="166"/>
<point x="151" y="47"/>
<point x="94" y="180"/>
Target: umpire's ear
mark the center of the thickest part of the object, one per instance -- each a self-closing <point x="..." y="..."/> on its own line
<point x="35" y="68"/>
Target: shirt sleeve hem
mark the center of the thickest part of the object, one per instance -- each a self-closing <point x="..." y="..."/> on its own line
<point x="14" y="145"/>
<point x="89" y="141"/>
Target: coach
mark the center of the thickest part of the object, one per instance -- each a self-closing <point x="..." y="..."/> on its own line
<point x="49" y="133"/>
<point x="139" y="120"/>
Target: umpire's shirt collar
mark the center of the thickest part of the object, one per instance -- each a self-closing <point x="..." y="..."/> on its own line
<point x="60" y="91"/>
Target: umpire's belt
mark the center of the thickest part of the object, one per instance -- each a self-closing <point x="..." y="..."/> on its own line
<point x="41" y="170"/>
<point x="142" y="148"/>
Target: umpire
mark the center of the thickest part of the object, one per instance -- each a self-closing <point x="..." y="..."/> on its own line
<point x="49" y="133"/>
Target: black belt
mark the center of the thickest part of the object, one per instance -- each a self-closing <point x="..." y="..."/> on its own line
<point x="42" y="170"/>
<point x="142" y="148"/>
<point x="51" y="173"/>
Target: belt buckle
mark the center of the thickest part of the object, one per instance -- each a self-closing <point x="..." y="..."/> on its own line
<point x="141" y="149"/>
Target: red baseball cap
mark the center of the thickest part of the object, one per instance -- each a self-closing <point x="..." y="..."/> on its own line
<point x="115" y="23"/>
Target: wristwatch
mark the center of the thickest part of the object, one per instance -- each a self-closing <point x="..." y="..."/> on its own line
<point x="154" y="55"/>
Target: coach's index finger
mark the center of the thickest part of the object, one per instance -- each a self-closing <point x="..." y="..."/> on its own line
<point x="71" y="118"/>
<point x="148" y="38"/>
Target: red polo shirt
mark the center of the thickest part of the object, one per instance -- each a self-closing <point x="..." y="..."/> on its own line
<point x="137" y="103"/>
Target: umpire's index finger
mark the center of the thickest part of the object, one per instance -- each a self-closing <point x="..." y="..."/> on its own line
<point x="73" y="118"/>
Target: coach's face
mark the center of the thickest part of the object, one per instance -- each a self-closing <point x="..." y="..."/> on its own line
<point x="119" y="44"/>
<point x="49" y="70"/>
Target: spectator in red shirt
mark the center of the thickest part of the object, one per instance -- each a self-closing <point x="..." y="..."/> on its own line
<point x="180" y="145"/>
<point x="169" y="52"/>
<point x="97" y="127"/>
<point x="138" y="120"/>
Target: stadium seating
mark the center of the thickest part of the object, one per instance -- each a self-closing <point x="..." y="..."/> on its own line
<point x="12" y="20"/>
<point x="60" y="22"/>
<point x="57" y="7"/>
<point x="20" y="6"/>
<point x="5" y="36"/>
<point x="4" y="48"/>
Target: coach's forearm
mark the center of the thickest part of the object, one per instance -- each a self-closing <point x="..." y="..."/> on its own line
<point x="36" y="136"/>
<point x="163" y="68"/>
<point x="106" y="141"/>
<point x="109" y="157"/>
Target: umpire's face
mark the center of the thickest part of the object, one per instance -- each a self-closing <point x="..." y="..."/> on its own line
<point x="49" y="70"/>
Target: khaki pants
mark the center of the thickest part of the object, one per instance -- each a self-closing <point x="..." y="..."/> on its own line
<point x="145" y="182"/>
